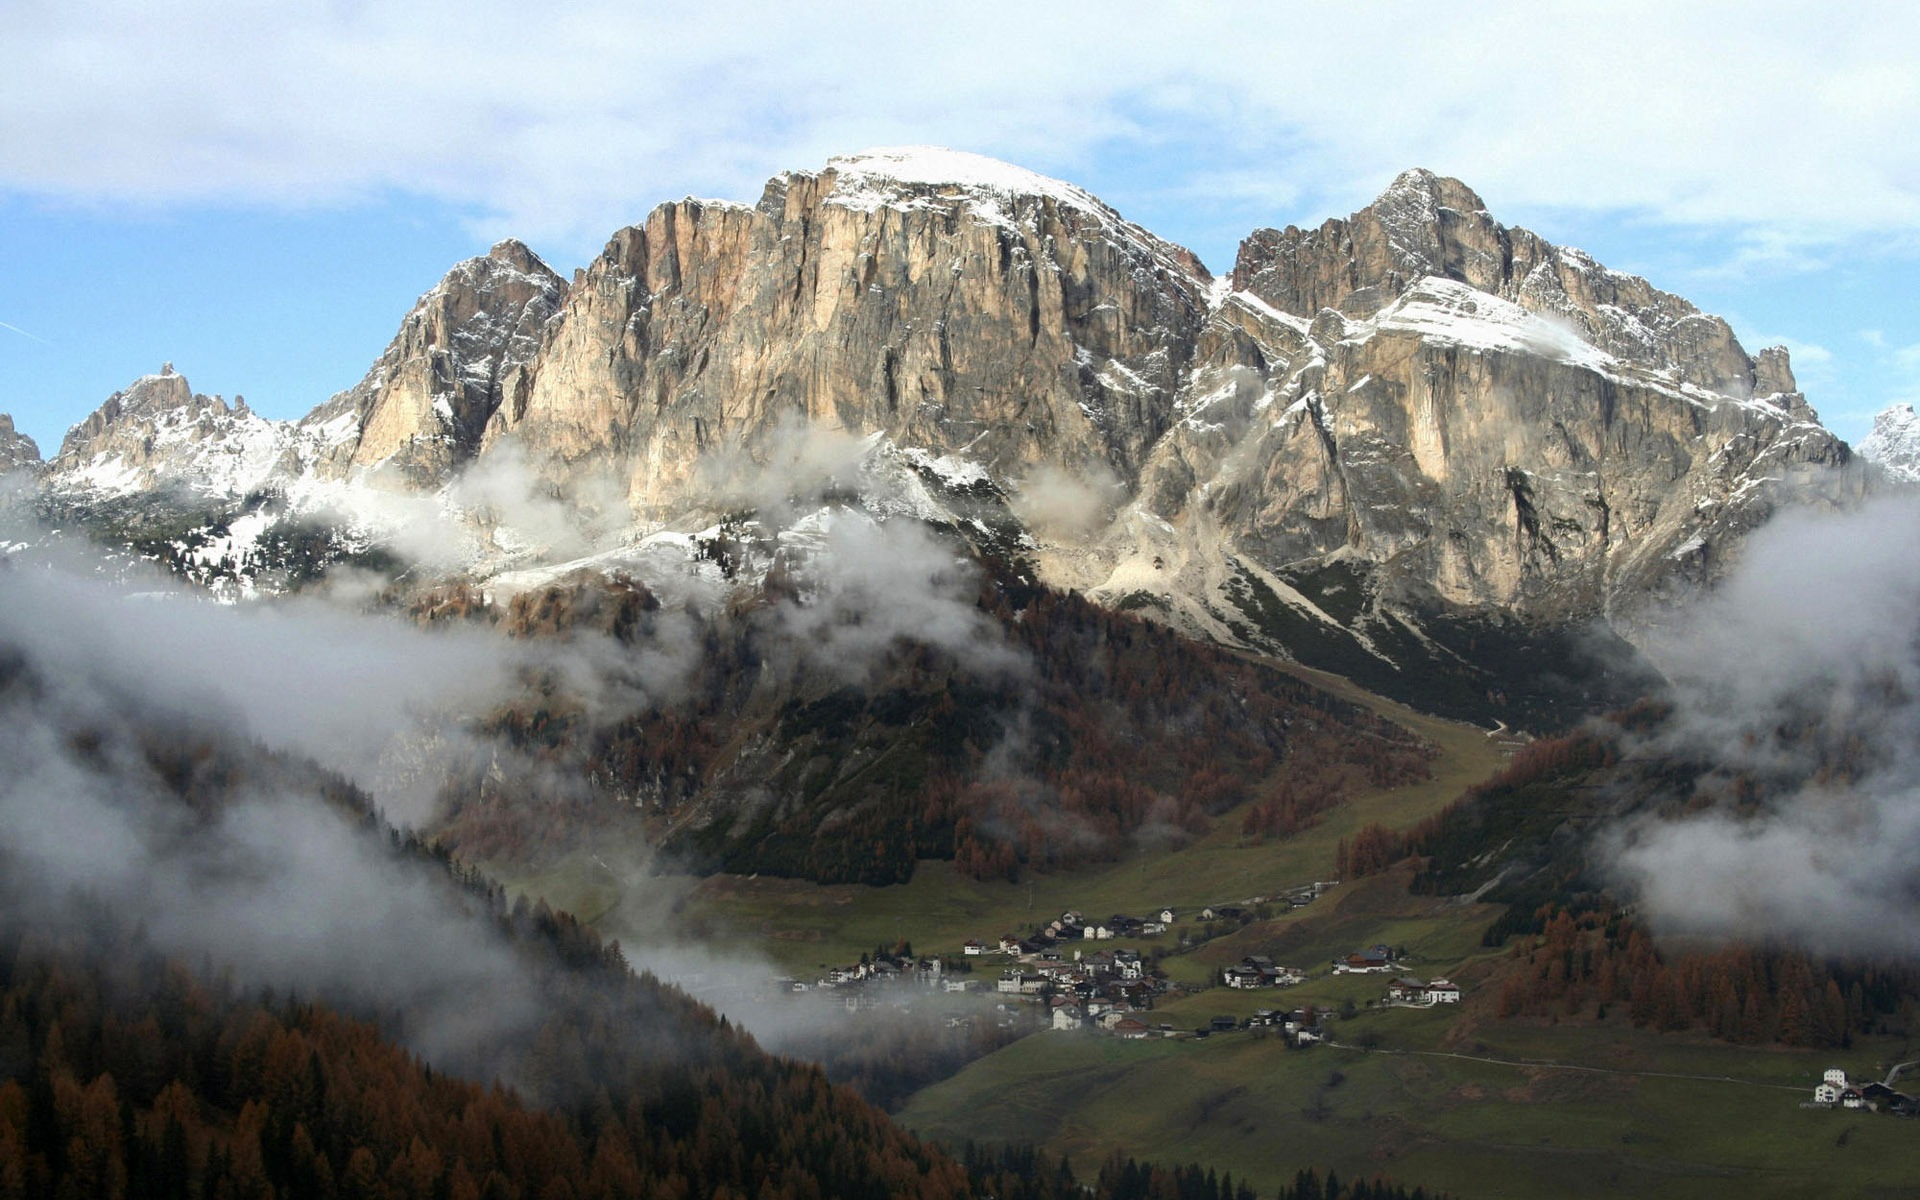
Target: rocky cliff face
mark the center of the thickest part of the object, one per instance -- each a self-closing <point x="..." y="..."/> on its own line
<point x="1471" y="451"/>
<point x="1895" y="443"/>
<point x="17" y="450"/>
<point x="1369" y="445"/>
<point x="945" y="301"/>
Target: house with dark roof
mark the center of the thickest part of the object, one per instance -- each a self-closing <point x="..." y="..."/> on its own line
<point x="1361" y="962"/>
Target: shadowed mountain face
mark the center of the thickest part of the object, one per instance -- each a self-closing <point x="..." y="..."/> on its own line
<point x="1412" y="445"/>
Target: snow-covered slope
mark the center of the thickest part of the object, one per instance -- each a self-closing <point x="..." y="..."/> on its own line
<point x="159" y="433"/>
<point x="908" y="178"/>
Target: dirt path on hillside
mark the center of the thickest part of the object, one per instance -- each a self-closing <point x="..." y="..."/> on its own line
<point x="1544" y="1064"/>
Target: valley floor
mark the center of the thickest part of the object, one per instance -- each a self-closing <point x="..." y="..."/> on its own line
<point x="1443" y="1096"/>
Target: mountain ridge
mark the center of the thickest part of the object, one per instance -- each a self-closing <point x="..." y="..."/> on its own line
<point x="1362" y="436"/>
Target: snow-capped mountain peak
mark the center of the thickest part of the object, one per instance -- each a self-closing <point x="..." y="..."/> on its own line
<point x="1895" y="442"/>
<point x="872" y="176"/>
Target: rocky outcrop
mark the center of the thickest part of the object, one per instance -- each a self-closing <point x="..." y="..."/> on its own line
<point x="423" y="407"/>
<point x="17" y="450"/>
<point x="1895" y="442"/>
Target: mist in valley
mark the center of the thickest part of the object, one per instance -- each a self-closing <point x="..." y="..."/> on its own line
<point x="260" y="872"/>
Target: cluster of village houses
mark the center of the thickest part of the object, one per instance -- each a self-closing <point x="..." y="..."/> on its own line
<point x="1054" y="972"/>
<point x="1404" y="990"/>
<point x="1837" y="1091"/>
<point x="1109" y="990"/>
<point x="1100" y="988"/>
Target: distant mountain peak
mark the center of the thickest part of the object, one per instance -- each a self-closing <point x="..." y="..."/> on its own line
<point x="1426" y="191"/>
<point x="515" y="256"/>
<point x="1425" y="224"/>
<point x="146" y="397"/>
<point x="1895" y="442"/>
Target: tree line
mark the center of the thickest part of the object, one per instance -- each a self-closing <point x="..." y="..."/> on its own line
<point x="1123" y="730"/>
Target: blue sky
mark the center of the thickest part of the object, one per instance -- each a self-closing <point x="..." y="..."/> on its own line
<point x="257" y="193"/>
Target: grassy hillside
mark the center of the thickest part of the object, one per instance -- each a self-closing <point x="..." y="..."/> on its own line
<point x="1244" y="1103"/>
<point x="1451" y="1096"/>
<point x="806" y="926"/>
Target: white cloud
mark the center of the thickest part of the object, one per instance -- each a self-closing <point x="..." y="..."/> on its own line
<point x="1805" y="656"/>
<point x="564" y="121"/>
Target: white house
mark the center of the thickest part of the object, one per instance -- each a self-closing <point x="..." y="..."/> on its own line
<point x="1833" y="1087"/>
<point x="1166" y="917"/>
<point x="1068" y="1016"/>
<point x="973" y="948"/>
<point x="1443" y="991"/>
